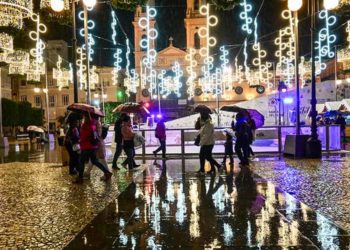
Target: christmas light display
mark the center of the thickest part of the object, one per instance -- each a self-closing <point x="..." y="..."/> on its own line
<point x="12" y="12"/>
<point x="62" y="76"/>
<point x="192" y="75"/>
<point x="6" y="43"/>
<point x="35" y="70"/>
<point x="81" y="67"/>
<point x="18" y="62"/>
<point x="162" y="84"/>
<point x="244" y="15"/>
<point x="305" y="71"/>
<point x="117" y="67"/>
<point x="238" y="72"/>
<point x="91" y="40"/>
<point x="204" y="33"/>
<point x="225" y="69"/>
<point x="177" y="79"/>
<point x="38" y="51"/>
<point x="113" y="26"/>
<point x="47" y="4"/>
<point x="146" y="43"/>
<point x="325" y="40"/>
<point x="93" y="78"/>
<point x="246" y="67"/>
<point x="127" y="57"/>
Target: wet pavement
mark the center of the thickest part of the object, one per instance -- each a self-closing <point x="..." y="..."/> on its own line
<point x="170" y="208"/>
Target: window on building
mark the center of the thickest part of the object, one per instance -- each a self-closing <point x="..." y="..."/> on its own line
<point x="52" y="101"/>
<point x="50" y="82"/>
<point x="65" y="100"/>
<point x="37" y="101"/>
<point x="197" y="41"/>
<point x="23" y="98"/>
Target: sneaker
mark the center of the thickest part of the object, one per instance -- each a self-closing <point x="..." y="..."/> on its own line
<point x="106" y="177"/>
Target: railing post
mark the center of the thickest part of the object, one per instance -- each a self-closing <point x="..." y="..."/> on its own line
<point x="279" y="142"/>
<point x="183" y="143"/>
<point x="327" y="138"/>
<point x="143" y="147"/>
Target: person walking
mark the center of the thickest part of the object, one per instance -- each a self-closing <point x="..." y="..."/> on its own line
<point x="71" y="143"/>
<point x="128" y="142"/>
<point x="252" y="129"/>
<point x="206" y="143"/>
<point x="242" y="139"/>
<point x="89" y="141"/>
<point x="160" y="133"/>
<point x="118" y="139"/>
<point x="228" y="149"/>
<point x="340" y="120"/>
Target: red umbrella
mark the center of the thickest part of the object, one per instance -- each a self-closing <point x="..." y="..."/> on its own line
<point x="130" y="107"/>
<point x="82" y="107"/>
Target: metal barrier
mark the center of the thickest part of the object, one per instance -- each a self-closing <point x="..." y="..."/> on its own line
<point x="269" y="139"/>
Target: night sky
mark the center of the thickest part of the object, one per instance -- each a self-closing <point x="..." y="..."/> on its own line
<point x="170" y="22"/>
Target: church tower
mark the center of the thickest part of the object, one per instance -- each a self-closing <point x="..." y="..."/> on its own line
<point x="140" y="33"/>
<point x="193" y="21"/>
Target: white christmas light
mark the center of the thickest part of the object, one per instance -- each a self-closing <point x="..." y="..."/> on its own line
<point x="62" y="76"/>
<point x="12" y="12"/>
<point x="325" y="40"/>
<point x="348" y="31"/>
<point x="18" y="62"/>
<point x="57" y="5"/>
<point x="89" y="3"/>
<point x="91" y="40"/>
<point x="146" y="43"/>
<point x="238" y="72"/>
<point x="6" y="43"/>
<point x="177" y="79"/>
<point x="117" y="67"/>
<point x="113" y="26"/>
<point x="244" y="15"/>
<point x="81" y="67"/>
<point x="294" y="5"/>
<point x="331" y="4"/>
<point x="192" y="75"/>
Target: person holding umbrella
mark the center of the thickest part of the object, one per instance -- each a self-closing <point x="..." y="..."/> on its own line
<point x="89" y="141"/>
<point x="118" y="138"/>
<point x="242" y="139"/>
<point x="128" y="142"/>
<point x="206" y="142"/>
<point x="71" y="143"/>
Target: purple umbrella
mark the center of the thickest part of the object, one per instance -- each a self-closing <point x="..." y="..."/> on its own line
<point x="257" y="117"/>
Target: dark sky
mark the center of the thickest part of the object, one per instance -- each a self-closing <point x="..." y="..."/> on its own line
<point x="170" y="22"/>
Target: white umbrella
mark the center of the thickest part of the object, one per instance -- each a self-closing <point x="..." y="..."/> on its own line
<point x="35" y="129"/>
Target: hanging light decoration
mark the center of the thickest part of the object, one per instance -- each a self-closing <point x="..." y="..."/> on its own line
<point x="238" y="72"/>
<point x="6" y="42"/>
<point x="12" y="12"/>
<point x="18" y="62"/>
<point x="113" y="26"/>
<point x="62" y="76"/>
<point x="204" y="33"/>
<point x="305" y="71"/>
<point x="244" y="15"/>
<point x="117" y="67"/>
<point x="325" y="40"/>
<point x="38" y="63"/>
<point x="177" y="79"/>
<point x="146" y="43"/>
<point x="192" y="75"/>
<point x="91" y="40"/>
<point x="81" y="67"/>
<point x="348" y="31"/>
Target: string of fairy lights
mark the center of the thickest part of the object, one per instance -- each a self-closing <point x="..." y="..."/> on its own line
<point x="248" y="66"/>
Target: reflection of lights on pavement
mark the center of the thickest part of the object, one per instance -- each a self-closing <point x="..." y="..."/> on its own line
<point x="228" y="234"/>
<point x="17" y="149"/>
<point x="194" y="217"/>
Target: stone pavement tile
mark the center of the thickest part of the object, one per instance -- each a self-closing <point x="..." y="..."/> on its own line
<point x="168" y="208"/>
<point x="323" y="184"/>
<point x="40" y="206"/>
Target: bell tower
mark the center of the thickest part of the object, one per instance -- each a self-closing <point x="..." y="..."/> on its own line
<point x="193" y="21"/>
<point x="140" y="33"/>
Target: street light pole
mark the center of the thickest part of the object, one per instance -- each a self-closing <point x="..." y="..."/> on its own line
<point x="297" y="81"/>
<point x="313" y="146"/>
<point x="74" y="55"/>
<point x="87" y="49"/>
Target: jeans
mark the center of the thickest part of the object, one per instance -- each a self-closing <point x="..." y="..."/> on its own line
<point x="87" y="155"/>
<point x="205" y="153"/>
<point x="73" y="159"/>
<point x="242" y="150"/>
<point x="118" y="151"/>
<point x="162" y="147"/>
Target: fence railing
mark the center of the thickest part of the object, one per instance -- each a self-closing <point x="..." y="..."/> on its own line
<point x="269" y="139"/>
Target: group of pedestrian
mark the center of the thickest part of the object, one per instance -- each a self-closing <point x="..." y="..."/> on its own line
<point x="84" y="142"/>
<point x="244" y="129"/>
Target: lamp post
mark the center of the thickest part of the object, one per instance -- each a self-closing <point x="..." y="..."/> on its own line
<point x="313" y="145"/>
<point x="58" y="6"/>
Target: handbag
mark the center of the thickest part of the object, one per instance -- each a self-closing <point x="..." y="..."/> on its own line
<point x="197" y="140"/>
<point x="139" y="140"/>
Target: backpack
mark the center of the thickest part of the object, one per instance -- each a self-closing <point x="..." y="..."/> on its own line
<point x="105" y="129"/>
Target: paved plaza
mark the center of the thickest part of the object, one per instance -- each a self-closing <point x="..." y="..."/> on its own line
<point x="278" y="204"/>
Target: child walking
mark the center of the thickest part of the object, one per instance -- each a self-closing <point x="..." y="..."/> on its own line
<point x="228" y="149"/>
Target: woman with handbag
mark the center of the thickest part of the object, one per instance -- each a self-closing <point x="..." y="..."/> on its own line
<point x="160" y="133"/>
<point x="89" y="140"/>
<point x="128" y="143"/>
<point x="71" y="143"/>
<point x="206" y="143"/>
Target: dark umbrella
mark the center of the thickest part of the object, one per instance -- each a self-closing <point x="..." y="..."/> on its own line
<point x="252" y="113"/>
<point x="130" y="107"/>
<point x="82" y="107"/>
<point x="203" y="109"/>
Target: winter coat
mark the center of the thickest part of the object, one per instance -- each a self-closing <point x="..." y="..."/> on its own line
<point x="87" y="130"/>
<point x="206" y="134"/>
<point x="160" y="131"/>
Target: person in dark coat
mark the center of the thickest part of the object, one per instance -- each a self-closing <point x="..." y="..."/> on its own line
<point x="242" y="141"/>
<point x="160" y="133"/>
<point x="118" y="139"/>
<point x="228" y="149"/>
<point x="341" y="121"/>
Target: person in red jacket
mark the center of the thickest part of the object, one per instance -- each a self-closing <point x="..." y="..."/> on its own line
<point x="160" y="133"/>
<point x="89" y="144"/>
